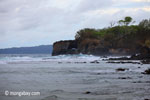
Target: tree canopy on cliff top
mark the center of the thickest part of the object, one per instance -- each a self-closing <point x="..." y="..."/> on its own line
<point x="125" y="31"/>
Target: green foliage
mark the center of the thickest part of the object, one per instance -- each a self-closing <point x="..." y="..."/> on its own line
<point x="86" y="33"/>
<point x="121" y="22"/>
<point x="117" y="35"/>
<point x="145" y="23"/>
<point x="127" y="20"/>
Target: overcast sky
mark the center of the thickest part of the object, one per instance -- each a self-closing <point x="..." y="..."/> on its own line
<point x="41" y="22"/>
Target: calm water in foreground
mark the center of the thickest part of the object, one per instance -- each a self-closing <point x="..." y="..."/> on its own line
<point x="68" y="78"/>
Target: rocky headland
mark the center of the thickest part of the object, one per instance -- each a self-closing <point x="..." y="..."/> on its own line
<point x="122" y="39"/>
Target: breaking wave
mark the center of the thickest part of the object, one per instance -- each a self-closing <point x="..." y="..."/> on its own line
<point x="4" y="59"/>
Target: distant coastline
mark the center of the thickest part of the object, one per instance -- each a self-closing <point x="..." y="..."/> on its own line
<point x="42" y="49"/>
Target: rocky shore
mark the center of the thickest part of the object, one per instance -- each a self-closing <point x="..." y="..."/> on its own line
<point x="93" y="47"/>
<point x="72" y="47"/>
<point x="124" y="40"/>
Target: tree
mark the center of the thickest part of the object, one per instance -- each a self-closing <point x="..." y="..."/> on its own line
<point x="86" y="33"/>
<point x="127" y="20"/>
<point x="145" y="23"/>
<point x="121" y="22"/>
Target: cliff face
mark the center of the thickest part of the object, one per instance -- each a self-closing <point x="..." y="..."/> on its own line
<point x="92" y="46"/>
<point x="89" y="46"/>
<point x="64" y="47"/>
<point x="117" y="40"/>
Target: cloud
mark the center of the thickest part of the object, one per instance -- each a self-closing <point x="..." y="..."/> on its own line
<point x="141" y="0"/>
<point x="86" y="5"/>
<point x="35" y="22"/>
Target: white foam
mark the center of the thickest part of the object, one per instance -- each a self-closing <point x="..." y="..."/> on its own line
<point x="76" y="58"/>
<point x="60" y="58"/>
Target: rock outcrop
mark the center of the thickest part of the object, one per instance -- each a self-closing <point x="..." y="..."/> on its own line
<point x="144" y="53"/>
<point x="93" y="47"/>
<point x="74" y="47"/>
<point x="117" y="40"/>
<point x="65" y="47"/>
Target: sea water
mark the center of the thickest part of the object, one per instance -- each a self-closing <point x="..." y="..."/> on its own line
<point x="70" y="77"/>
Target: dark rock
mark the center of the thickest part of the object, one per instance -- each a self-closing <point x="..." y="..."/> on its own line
<point x="146" y="61"/>
<point x="104" y="56"/>
<point x="87" y="92"/>
<point x="112" y="62"/>
<point x="99" y="47"/>
<point x="144" y="54"/>
<point x="137" y="82"/>
<point x="65" y="47"/>
<point x="122" y="58"/>
<point x="141" y="82"/>
<point x="122" y="69"/>
<point x="92" y="46"/>
<point x="95" y="61"/>
<point x="147" y="71"/>
<point x="124" y="78"/>
<point x="123" y="62"/>
<point x="80" y="62"/>
<point x="98" y="73"/>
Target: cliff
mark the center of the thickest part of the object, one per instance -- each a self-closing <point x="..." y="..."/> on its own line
<point x="94" y="47"/>
<point x="117" y="40"/>
<point x="65" y="47"/>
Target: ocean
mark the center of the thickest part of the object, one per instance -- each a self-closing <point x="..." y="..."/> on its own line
<point x="70" y="77"/>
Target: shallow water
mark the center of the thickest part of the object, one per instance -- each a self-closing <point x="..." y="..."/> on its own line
<point x="68" y="78"/>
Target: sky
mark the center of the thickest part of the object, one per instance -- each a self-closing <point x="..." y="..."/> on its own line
<point x="25" y="23"/>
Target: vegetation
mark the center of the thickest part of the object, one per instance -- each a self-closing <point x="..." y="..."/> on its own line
<point x="123" y="35"/>
<point x="123" y="39"/>
<point x="127" y="20"/>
